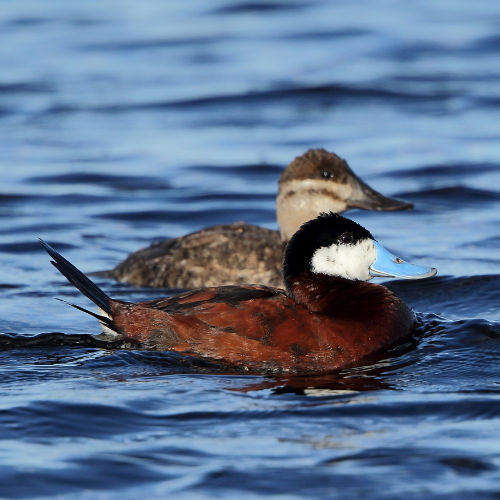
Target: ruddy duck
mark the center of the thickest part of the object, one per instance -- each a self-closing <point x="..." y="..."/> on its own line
<point x="317" y="181"/>
<point x="329" y="317"/>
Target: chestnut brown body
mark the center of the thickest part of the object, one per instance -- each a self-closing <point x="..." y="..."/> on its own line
<point x="330" y="323"/>
<point x="327" y="319"/>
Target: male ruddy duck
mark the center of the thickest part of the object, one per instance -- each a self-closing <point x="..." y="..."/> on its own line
<point x="316" y="182"/>
<point x="328" y="318"/>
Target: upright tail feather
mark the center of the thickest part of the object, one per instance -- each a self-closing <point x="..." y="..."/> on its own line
<point x="78" y="279"/>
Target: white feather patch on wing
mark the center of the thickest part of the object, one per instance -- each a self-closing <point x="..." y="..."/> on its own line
<point x="348" y="261"/>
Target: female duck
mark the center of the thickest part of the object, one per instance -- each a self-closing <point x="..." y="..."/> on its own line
<point x="316" y="182"/>
<point x="328" y="318"/>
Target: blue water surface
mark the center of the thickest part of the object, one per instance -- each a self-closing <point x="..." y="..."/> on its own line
<point x="123" y="122"/>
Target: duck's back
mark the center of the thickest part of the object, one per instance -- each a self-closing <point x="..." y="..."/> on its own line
<point x="218" y="255"/>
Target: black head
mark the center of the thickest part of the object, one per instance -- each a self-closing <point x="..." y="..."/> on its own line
<point x="327" y="230"/>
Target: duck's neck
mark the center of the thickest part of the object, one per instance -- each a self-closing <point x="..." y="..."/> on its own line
<point x="339" y="297"/>
<point x="299" y="201"/>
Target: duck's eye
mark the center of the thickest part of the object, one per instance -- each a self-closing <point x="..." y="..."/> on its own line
<point x="345" y="238"/>
<point x="326" y="175"/>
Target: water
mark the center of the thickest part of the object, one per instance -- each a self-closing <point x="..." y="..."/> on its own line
<point x="123" y="122"/>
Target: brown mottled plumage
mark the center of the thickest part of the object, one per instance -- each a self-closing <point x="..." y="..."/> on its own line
<point x="207" y="258"/>
<point x="315" y="182"/>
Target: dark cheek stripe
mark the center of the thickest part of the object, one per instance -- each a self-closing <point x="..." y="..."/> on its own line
<point x="314" y="192"/>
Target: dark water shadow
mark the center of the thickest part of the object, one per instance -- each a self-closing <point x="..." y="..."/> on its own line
<point x="460" y="296"/>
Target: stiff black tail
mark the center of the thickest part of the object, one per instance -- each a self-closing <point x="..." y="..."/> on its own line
<point x="79" y="280"/>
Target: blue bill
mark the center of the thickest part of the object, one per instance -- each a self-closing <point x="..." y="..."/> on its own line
<point x="388" y="265"/>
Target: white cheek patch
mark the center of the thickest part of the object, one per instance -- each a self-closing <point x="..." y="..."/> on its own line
<point x="348" y="261"/>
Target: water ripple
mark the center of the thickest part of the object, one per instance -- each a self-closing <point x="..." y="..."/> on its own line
<point x="119" y="182"/>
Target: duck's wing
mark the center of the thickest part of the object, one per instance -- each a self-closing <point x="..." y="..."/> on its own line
<point x="219" y="255"/>
<point x="204" y="299"/>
